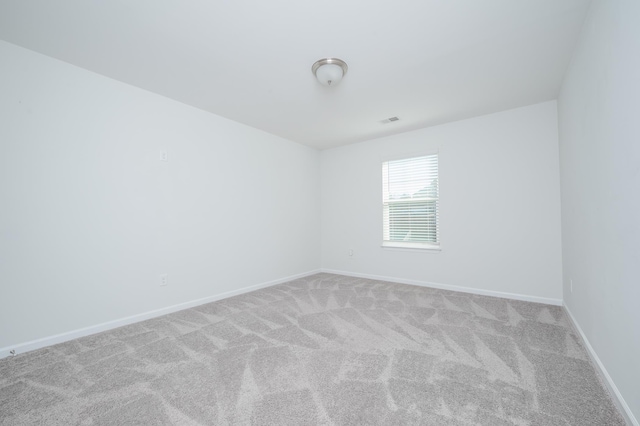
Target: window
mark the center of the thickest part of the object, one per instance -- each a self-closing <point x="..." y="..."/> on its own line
<point x="410" y="202"/>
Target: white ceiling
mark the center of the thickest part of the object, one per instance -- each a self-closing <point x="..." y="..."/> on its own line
<point x="425" y="61"/>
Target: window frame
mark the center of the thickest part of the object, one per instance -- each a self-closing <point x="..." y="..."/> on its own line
<point x="412" y="245"/>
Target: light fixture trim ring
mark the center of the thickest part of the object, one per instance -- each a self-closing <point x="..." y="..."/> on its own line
<point x="330" y="61"/>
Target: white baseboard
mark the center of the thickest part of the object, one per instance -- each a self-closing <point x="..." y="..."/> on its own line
<point x="523" y="297"/>
<point x="608" y="381"/>
<point x="63" y="337"/>
<point x="74" y="334"/>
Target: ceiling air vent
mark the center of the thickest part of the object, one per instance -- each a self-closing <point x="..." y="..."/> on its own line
<point x="389" y="120"/>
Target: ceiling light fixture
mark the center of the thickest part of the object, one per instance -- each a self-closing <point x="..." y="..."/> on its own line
<point x="329" y="71"/>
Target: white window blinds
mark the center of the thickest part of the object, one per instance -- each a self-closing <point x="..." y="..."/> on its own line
<point x="410" y="202"/>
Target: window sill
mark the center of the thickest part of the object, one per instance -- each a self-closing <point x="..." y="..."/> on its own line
<point x="415" y="247"/>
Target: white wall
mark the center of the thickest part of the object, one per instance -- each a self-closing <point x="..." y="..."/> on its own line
<point x="499" y="198"/>
<point x="89" y="216"/>
<point x="599" y="123"/>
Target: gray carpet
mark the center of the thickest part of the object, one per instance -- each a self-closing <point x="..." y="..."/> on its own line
<point x="324" y="350"/>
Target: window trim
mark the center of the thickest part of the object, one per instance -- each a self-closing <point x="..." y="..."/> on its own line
<point x="411" y="246"/>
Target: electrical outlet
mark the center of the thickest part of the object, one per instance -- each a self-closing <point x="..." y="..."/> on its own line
<point x="164" y="280"/>
<point x="350" y="252"/>
<point x="164" y="156"/>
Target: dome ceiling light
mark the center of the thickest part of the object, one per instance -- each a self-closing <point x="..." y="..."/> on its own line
<point x="329" y="71"/>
